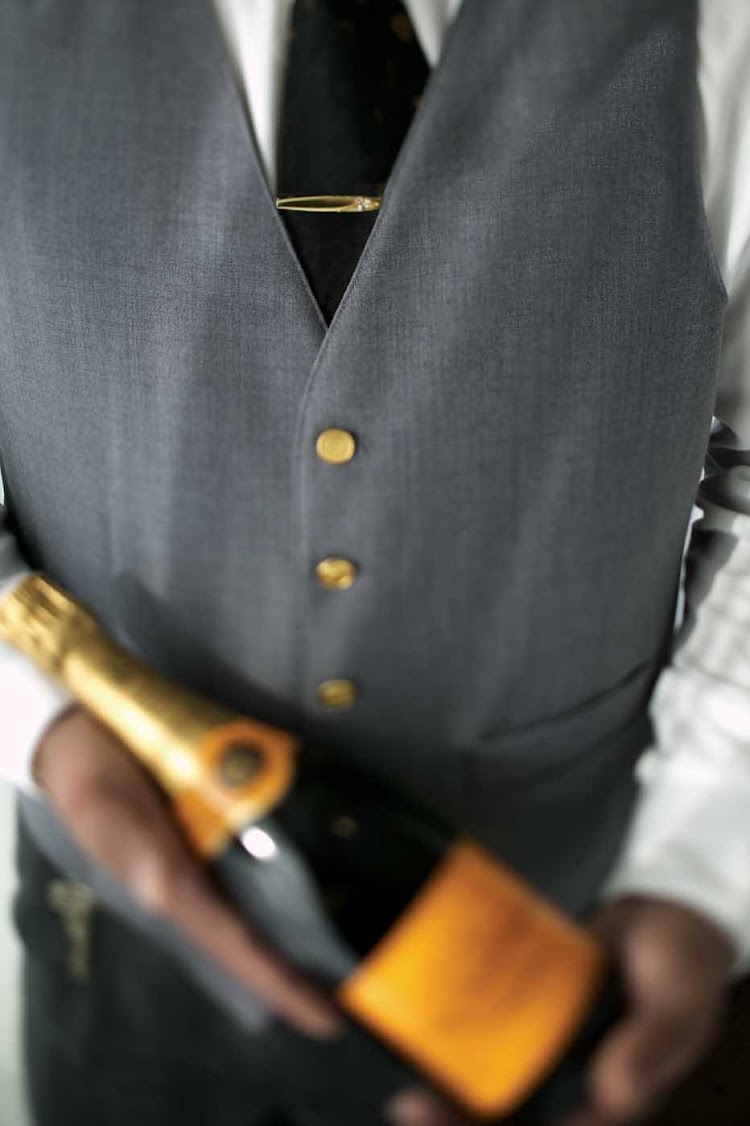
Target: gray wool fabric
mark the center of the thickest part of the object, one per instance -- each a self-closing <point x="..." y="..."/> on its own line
<point x="526" y="354"/>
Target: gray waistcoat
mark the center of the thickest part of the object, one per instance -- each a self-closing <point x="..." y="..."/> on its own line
<point x="526" y="355"/>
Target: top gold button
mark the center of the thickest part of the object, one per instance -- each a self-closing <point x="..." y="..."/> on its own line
<point x="335" y="446"/>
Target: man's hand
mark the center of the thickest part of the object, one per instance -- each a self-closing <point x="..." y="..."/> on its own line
<point x="676" y="968"/>
<point x="114" y="811"/>
<point x="675" y="965"/>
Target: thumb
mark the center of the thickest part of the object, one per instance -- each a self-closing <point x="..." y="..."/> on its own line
<point x="675" y="969"/>
<point x="638" y="1063"/>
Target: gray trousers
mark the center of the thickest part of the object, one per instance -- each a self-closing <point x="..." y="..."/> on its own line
<point x="137" y="1042"/>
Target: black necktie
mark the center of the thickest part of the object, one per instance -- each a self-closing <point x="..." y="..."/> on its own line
<point x="354" y="75"/>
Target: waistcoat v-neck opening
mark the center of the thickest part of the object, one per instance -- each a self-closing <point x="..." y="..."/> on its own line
<point x="397" y="187"/>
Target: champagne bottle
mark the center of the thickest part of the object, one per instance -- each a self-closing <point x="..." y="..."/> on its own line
<point x="423" y="938"/>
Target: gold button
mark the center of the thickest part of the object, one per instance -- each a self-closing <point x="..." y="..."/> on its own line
<point x="335" y="446"/>
<point x="337" y="693"/>
<point x="336" y="573"/>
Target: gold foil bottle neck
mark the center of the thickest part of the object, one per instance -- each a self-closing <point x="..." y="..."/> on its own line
<point x="44" y="621"/>
<point x="221" y="770"/>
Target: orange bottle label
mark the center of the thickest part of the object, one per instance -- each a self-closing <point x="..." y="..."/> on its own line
<point x="481" y="983"/>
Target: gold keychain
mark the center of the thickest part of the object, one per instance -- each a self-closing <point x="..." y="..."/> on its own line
<point x="74" y="903"/>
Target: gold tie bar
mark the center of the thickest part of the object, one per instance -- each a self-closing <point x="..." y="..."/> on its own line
<point x="328" y="202"/>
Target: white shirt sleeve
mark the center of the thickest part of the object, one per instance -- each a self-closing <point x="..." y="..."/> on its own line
<point x="30" y="700"/>
<point x="690" y="838"/>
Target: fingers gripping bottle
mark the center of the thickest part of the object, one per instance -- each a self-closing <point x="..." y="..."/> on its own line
<point x="423" y="937"/>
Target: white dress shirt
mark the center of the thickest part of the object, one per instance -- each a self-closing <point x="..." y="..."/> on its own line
<point x="690" y="837"/>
